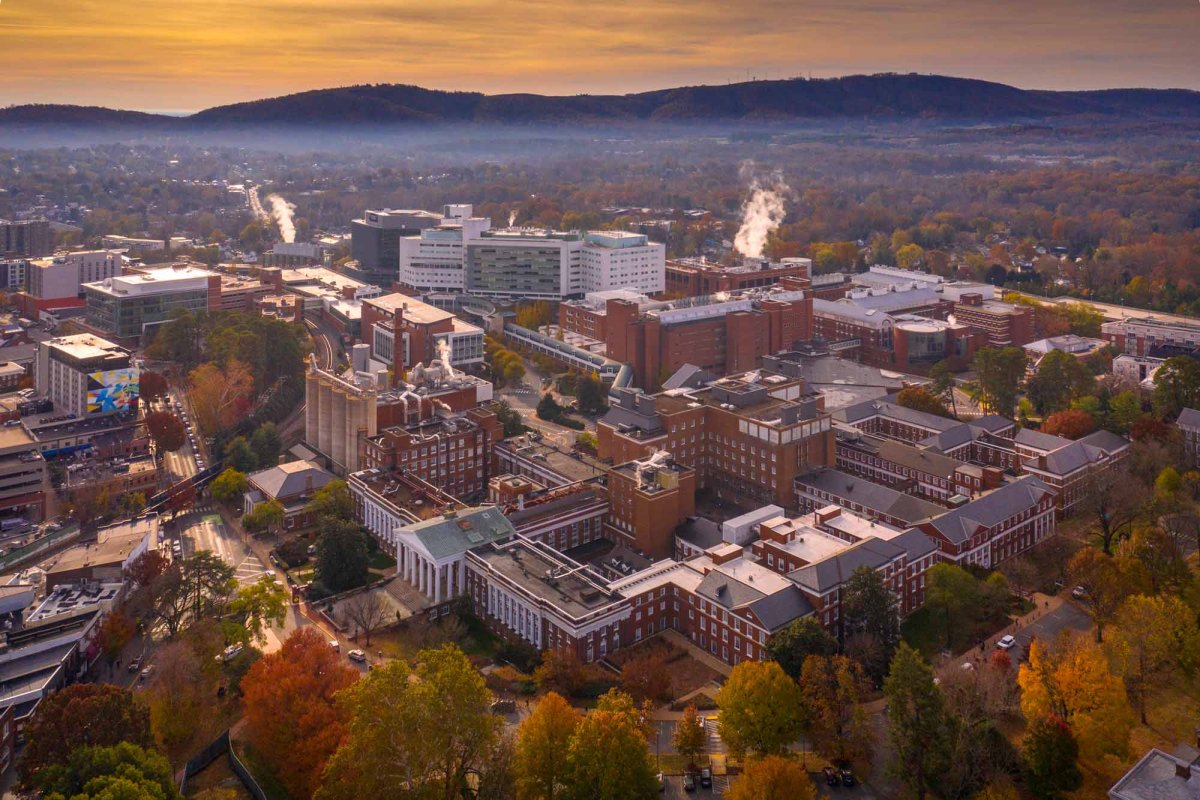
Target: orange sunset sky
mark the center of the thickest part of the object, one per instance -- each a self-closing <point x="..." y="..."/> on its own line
<point x="181" y="55"/>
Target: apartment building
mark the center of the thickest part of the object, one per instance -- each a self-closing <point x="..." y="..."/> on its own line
<point x="56" y="282"/>
<point x="86" y="375"/>
<point x="985" y="440"/>
<point x="745" y="436"/>
<point x="1066" y="466"/>
<point x="997" y="526"/>
<point x="930" y="475"/>
<point x="825" y="487"/>
<point x="1137" y="336"/>
<point x="23" y="475"/>
<point x="698" y="277"/>
<point x="1004" y="324"/>
<point x="30" y="238"/>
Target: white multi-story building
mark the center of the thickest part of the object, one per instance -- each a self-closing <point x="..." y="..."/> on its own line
<point x="62" y="275"/>
<point x="465" y="254"/>
<point x="622" y="260"/>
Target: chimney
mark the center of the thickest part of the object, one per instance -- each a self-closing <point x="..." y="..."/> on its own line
<point x="1183" y="770"/>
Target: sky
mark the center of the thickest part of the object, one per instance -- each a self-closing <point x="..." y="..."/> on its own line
<point x="184" y="55"/>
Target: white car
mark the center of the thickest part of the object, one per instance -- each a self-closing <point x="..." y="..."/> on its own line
<point x="230" y="653"/>
<point x="357" y="655"/>
<point x="1006" y="642"/>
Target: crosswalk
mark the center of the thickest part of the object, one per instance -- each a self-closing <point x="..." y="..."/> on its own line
<point x="250" y="570"/>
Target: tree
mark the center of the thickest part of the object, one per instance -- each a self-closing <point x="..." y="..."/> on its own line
<point x="760" y="709"/>
<point x="590" y="394"/>
<point x="1115" y="500"/>
<point x="542" y="739"/>
<point x="943" y="383"/>
<point x="1069" y="424"/>
<point x="229" y="486"/>
<point x="425" y="726"/>
<point x="918" y="725"/>
<point x="166" y="430"/>
<point x="1123" y="410"/>
<point x="367" y="611"/>
<point x="253" y="235"/>
<point x="608" y="756"/>
<point x="123" y="771"/>
<point x="548" y="408"/>
<point x="921" y="399"/>
<point x="220" y="396"/>
<point x="80" y="715"/>
<point x="802" y="638"/>
<point x="332" y="501"/>
<point x="240" y="456"/>
<point x="953" y="591"/>
<point x="909" y="256"/>
<point x="152" y="386"/>
<point x="116" y="631"/>
<point x="770" y="778"/>
<point x="1051" y="754"/>
<point x="510" y="419"/>
<point x="999" y="372"/>
<point x="647" y="677"/>
<point x="181" y="339"/>
<point x="266" y="444"/>
<point x="869" y="622"/>
<point x="1073" y="682"/>
<point x="690" y="736"/>
<point x="560" y="671"/>
<point x="292" y="718"/>
<point x="836" y="723"/>
<point x="342" y="557"/>
<point x="181" y="499"/>
<point x="1105" y="585"/>
<point x="1060" y="378"/>
<point x="259" y="605"/>
<point x="195" y="586"/>
<point x="174" y="695"/>
<point x="1176" y="386"/>
<point x="1154" y="637"/>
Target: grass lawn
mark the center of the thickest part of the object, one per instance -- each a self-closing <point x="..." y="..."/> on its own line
<point x="381" y="561"/>
<point x="925" y="631"/>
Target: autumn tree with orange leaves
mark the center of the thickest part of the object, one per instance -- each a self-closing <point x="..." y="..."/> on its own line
<point x="291" y="717"/>
<point x="220" y="397"/>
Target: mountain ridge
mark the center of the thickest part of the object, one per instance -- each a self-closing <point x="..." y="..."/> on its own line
<point x="886" y="96"/>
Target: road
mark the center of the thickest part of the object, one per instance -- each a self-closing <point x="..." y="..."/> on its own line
<point x="1113" y="311"/>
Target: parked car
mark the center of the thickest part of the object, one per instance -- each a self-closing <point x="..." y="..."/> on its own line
<point x="1006" y="642"/>
<point x="230" y="653"/>
<point x="847" y="776"/>
<point x="831" y="776"/>
<point x="136" y="664"/>
<point x="689" y="782"/>
<point x="147" y="672"/>
<point x="335" y="645"/>
<point x="1079" y="593"/>
<point x="706" y="778"/>
<point x="357" y="655"/>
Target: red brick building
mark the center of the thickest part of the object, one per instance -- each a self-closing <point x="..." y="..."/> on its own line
<point x="1004" y="324"/>
<point x="697" y="277"/>
<point x="745" y="437"/>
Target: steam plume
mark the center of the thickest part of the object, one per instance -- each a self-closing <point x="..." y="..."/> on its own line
<point x="281" y="212"/>
<point x="762" y="213"/>
<point x="512" y="217"/>
<point x="445" y="354"/>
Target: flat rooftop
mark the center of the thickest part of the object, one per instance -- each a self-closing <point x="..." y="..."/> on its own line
<point x="566" y="585"/>
<point x="85" y="346"/>
<point x="571" y="466"/>
<point x="112" y="546"/>
<point x="414" y="310"/>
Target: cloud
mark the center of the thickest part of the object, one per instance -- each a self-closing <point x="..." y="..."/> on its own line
<point x="150" y="53"/>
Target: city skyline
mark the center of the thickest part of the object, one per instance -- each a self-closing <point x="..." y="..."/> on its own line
<point x="189" y="55"/>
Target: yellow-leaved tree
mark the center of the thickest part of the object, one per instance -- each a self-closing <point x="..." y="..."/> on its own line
<point x="1072" y="681"/>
